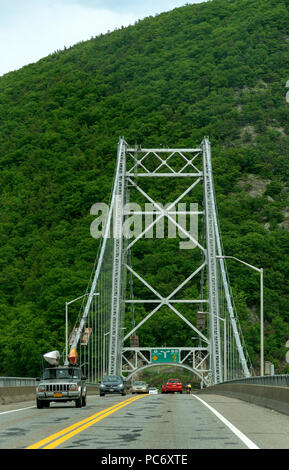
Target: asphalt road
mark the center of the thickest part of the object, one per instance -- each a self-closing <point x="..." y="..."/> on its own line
<point x="144" y="422"/>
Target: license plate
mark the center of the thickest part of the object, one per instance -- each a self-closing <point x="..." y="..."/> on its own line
<point x="111" y="390"/>
<point x="57" y="395"/>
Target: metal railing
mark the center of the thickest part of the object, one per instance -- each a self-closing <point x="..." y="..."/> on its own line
<point x="17" y="382"/>
<point x="272" y="380"/>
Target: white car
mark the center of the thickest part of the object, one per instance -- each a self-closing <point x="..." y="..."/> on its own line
<point x="153" y="391"/>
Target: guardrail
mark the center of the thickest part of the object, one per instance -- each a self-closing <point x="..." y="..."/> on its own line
<point x="17" y="381"/>
<point x="273" y="380"/>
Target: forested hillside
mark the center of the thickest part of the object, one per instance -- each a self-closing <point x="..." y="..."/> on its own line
<point x="217" y="69"/>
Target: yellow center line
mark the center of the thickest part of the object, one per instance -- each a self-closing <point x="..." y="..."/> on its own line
<point x="61" y="436"/>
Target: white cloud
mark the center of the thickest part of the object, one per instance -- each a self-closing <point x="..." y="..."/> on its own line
<point x="32" y="29"/>
<point x="41" y="29"/>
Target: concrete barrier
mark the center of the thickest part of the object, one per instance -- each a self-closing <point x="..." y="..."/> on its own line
<point x="275" y="398"/>
<point x="16" y="394"/>
<point x="92" y="389"/>
<point x="27" y="393"/>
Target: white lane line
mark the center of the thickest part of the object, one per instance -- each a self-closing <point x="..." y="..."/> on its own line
<point x="250" y="444"/>
<point x="13" y="411"/>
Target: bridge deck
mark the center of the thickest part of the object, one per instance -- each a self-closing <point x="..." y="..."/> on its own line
<point x="145" y="422"/>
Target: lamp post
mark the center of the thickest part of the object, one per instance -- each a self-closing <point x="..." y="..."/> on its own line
<point x="260" y="270"/>
<point x="66" y="322"/>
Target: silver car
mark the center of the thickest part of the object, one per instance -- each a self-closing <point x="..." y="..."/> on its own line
<point x="139" y="387"/>
<point x="61" y="384"/>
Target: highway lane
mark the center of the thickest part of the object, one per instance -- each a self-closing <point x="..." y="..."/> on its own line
<point x="144" y="422"/>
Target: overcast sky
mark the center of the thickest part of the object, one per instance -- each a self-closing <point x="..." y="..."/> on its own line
<point x="32" y="29"/>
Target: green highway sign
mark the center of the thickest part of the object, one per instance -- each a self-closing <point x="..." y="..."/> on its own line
<point x="165" y="355"/>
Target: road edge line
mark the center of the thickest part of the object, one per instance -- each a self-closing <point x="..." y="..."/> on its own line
<point x="19" y="409"/>
<point x="250" y="444"/>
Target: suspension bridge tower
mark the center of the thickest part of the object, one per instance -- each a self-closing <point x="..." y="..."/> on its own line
<point x="201" y="300"/>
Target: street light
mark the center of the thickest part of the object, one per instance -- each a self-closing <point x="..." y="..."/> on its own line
<point x="260" y="270"/>
<point x="66" y="321"/>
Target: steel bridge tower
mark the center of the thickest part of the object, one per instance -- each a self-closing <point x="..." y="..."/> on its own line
<point x="220" y="353"/>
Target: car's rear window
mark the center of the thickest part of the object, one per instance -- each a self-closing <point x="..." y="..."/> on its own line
<point x="174" y="381"/>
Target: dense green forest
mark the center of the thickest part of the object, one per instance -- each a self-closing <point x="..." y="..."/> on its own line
<point x="216" y="69"/>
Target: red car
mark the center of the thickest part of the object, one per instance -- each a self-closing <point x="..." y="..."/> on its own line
<point x="172" y="385"/>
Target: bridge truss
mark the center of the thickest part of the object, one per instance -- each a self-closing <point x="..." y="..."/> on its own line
<point x="201" y="301"/>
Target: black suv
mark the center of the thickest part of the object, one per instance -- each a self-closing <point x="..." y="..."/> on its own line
<point x="112" y="384"/>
